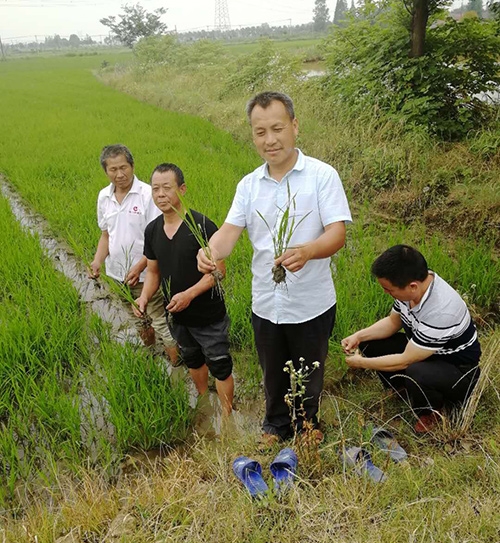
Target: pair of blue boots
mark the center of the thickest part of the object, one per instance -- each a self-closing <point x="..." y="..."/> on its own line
<point x="282" y="468"/>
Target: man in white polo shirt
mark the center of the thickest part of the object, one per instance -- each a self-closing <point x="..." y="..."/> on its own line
<point x="292" y="318"/>
<point x="124" y="209"/>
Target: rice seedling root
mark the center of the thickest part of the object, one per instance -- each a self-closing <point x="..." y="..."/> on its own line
<point x="279" y="274"/>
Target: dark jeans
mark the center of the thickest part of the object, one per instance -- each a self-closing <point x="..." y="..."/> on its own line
<point x="279" y="343"/>
<point x="432" y="383"/>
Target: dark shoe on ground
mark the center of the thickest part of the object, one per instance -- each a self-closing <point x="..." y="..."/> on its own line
<point x="427" y="423"/>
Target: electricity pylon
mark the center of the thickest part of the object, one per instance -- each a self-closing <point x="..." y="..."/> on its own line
<point x="222" y="15"/>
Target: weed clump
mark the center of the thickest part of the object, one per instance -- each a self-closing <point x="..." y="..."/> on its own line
<point x="306" y="437"/>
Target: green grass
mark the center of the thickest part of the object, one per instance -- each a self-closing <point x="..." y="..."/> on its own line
<point x="297" y="47"/>
<point x="58" y="118"/>
<point x="404" y="174"/>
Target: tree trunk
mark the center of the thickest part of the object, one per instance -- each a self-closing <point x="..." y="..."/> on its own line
<point x="418" y="27"/>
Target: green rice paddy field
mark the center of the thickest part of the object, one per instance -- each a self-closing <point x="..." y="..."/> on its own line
<point x="55" y="118"/>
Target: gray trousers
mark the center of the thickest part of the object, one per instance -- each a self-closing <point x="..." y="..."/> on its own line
<point x="156" y="310"/>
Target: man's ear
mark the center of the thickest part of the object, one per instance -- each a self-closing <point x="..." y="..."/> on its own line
<point x="414" y="286"/>
<point x="182" y="189"/>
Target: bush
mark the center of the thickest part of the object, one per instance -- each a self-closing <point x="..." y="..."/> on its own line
<point x="202" y="53"/>
<point x="369" y="66"/>
<point x="486" y="145"/>
<point x="265" y="68"/>
<point x="156" y="50"/>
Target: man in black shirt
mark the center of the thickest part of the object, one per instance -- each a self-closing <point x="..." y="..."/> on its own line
<point x="199" y="321"/>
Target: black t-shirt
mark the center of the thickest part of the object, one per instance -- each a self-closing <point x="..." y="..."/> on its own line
<point x="177" y="263"/>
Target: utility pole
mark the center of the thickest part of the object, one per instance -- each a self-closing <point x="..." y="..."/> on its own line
<point x="222" y="15"/>
<point x="1" y="49"/>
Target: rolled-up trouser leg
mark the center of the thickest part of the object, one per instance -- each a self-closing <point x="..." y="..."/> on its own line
<point x="156" y="310"/>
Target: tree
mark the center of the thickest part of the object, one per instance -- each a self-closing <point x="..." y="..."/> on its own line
<point x="369" y="67"/>
<point x="420" y="11"/>
<point x="321" y="15"/>
<point x="341" y="11"/>
<point x="477" y="6"/>
<point x="54" y="41"/>
<point x="135" y="23"/>
<point x="74" y="40"/>
<point x="494" y="9"/>
<point x="87" y="40"/>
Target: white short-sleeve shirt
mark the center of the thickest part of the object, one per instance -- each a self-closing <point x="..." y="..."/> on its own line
<point x="125" y="224"/>
<point x="319" y="201"/>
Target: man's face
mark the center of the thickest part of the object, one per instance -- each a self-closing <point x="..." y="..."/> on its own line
<point x="406" y="294"/>
<point x="165" y="188"/>
<point x="274" y="135"/>
<point x="120" y="172"/>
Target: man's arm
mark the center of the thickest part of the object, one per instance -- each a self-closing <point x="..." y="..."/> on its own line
<point x="221" y="244"/>
<point x="382" y="329"/>
<point x="391" y="362"/>
<point x="100" y="255"/>
<point x="326" y="245"/>
<point x="151" y="285"/>
<point x="181" y="300"/>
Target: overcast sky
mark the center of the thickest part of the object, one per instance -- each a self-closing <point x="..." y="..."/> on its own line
<point x="27" y="18"/>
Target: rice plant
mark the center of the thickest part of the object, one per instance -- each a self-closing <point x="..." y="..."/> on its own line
<point x="201" y="237"/>
<point x="282" y="232"/>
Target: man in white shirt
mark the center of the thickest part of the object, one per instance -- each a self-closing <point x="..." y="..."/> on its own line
<point x="124" y="209"/>
<point x="292" y="315"/>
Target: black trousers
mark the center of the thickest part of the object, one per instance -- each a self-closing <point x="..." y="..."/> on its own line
<point x="278" y="343"/>
<point x="432" y="383"/>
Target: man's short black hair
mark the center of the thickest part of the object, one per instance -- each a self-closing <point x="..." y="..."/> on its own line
<point x="169" y="167"/>
<point x="401" y="265"/>
<point x="264" y="99"/>
<point x="117" y="149"/>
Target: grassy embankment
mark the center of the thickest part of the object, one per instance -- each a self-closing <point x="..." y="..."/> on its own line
<point x="445" y="493"/>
